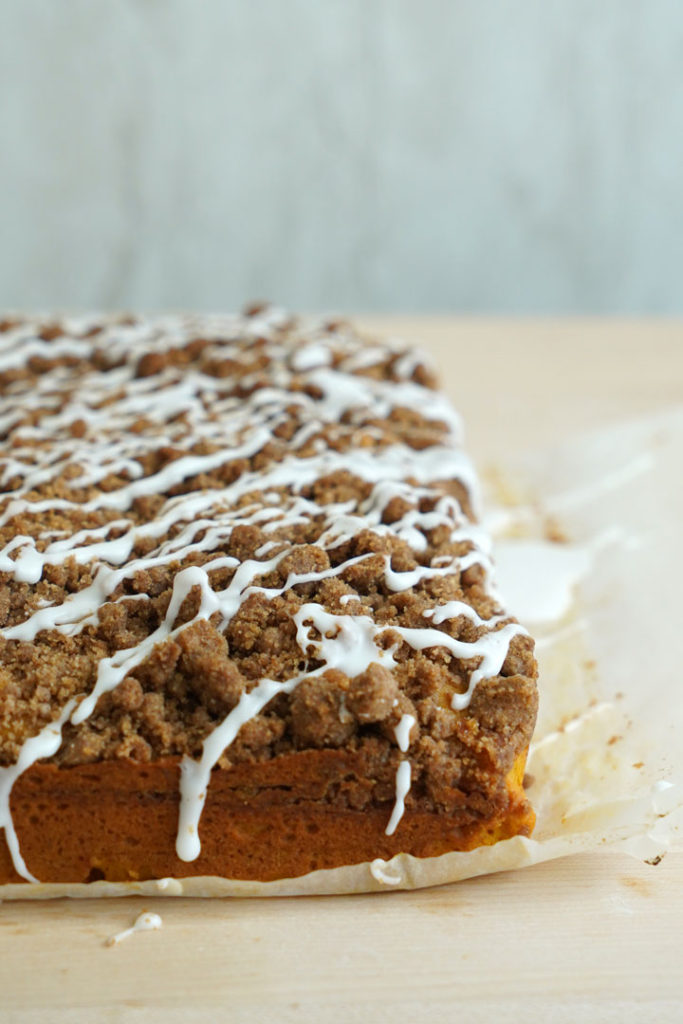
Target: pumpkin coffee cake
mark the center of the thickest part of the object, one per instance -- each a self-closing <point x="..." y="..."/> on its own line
<point x="247" y="622"/>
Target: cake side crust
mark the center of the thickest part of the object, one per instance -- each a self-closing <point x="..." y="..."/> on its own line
<point x="117" y="822"/>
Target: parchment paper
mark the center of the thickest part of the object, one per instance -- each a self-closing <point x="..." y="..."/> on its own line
<point x="590" y="552"/>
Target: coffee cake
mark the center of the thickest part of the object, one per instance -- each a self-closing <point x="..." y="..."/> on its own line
<point x="247" y="621"/>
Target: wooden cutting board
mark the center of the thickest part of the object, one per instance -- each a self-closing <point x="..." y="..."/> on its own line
<point x="588" y="938"/>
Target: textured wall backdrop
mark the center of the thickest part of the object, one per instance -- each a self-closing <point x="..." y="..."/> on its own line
<point x="493" y="155"/>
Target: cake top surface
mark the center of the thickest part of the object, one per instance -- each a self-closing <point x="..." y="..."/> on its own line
<point x="226" y="538"/>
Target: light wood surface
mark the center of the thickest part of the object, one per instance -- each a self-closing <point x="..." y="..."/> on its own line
<point x="588" y="938"/>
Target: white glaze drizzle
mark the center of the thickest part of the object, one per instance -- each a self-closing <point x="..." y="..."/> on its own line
<point x="146" y="922"/>
<point x="194" y="406"/>
<point x="402" y="732"/>
<point x="403" y="773"/>
<point x="44" y="744"/>
<point x="378" y="870"/>
<point x="171" y="886"/>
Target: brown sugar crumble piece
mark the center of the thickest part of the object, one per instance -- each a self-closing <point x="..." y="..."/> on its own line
<point x="247" y="623"/>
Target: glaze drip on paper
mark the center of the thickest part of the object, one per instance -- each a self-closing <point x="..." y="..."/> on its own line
<point x="146" y="922"/>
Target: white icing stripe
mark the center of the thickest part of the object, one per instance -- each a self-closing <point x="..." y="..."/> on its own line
<point x="403" y="773"/>
<point x="114" y="411"/>
<point x="45" y="744"/>
<point x="347" y="642"/>
<point x="454" y="609"/>
<point x="195" y="775"/>
<point x="402" y="732"/>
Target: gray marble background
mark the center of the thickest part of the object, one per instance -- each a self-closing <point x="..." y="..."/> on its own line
<point x="435" y="155"/>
